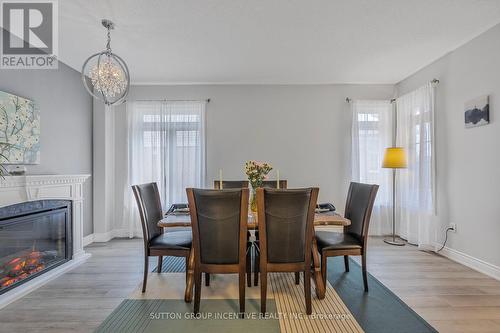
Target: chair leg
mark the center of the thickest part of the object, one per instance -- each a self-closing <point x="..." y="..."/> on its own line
<point x="249" y="266"/>
<point x="307" y="291"/>
<point x="146" y="268"/>
<point x="186" y="269"/>
<point x="160" y="263"/>
<point x="263" y="290"/>
<point x="363" y="268"/>
<point x="256" y="266"/>
<point x="242" y="294"/>
<point x="323" y="267"/>
<point x="207" y="279"/>
<point x="346" y="263"/>
<point x="197" y="291"/>
<point x="297" y="277"/>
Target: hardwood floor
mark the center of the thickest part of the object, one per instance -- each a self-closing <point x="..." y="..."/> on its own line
<point x="451" y="297"/>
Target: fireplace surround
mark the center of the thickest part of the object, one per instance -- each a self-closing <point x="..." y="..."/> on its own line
<point x="54" y="198"/>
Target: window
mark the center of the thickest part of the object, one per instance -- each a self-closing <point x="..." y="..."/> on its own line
<point x="167" y="146"/>
<point x="371" y="134"/>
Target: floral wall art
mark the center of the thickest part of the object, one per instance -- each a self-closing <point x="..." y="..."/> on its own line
<point x="19" y="130"/>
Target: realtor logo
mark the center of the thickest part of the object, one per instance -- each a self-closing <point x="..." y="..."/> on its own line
<point x="29" y="34"/>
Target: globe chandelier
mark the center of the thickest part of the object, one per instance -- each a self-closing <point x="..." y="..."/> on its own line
<point x="105" y="75"/>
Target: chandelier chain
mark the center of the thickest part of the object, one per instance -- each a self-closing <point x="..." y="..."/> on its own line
<point x="108" y="44"/>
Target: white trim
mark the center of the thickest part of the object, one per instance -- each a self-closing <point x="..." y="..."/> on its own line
<point x="115" y="233"/>
<point x="471" y="262"/>
<point x="87" y="240"/>
<point x="27" y="287"/>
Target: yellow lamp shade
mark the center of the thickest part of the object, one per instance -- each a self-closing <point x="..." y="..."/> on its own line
<point x="394" y="158"/>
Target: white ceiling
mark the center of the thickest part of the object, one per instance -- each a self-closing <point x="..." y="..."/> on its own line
<point x="272" y="41"/>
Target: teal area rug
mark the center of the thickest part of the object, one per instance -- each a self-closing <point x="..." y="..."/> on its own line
<point x="377" y="311"/>
<point x="166" y="315"/>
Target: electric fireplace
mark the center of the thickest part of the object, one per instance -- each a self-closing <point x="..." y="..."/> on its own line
<point x="35" y="237"/>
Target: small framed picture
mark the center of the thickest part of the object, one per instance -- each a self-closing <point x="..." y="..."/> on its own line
<point x="477" y="112"/>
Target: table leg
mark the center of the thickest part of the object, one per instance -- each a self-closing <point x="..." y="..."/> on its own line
<point x="317" y="278"/>
<point x="188" y="294"/>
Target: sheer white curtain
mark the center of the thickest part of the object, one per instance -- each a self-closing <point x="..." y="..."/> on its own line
<point x="372" y="132"/>
<point x="415" y="190"/>
<point x="166" y="145"/>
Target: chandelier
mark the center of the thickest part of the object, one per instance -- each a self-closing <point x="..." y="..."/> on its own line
<point x="105" y="75"/>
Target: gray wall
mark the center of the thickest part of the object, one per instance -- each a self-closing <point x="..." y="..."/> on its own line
<point x="65" y="123"/>
<point x="302" y="130"/>
<point x="468" y="160"/>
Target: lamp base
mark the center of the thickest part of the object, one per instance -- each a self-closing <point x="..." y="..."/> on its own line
<point x="394" y="242"/>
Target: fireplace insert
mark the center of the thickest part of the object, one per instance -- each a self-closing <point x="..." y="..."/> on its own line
<point x="35" y="237"/>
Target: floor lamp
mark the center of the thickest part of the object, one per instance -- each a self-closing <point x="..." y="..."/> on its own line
<point x="394" y="158"/>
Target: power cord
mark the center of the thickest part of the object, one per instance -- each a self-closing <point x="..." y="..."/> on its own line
<point x="445" y="238"/>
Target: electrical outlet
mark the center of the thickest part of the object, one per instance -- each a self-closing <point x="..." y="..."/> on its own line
<point x="453" y="227"/>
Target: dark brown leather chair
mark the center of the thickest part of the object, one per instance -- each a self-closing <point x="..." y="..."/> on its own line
<point x="156" y="242"/>
<point x="272" y="183"/>
<point x="219" y="222"/>
<point x="230" y="184"/>
<point x="286" y="222"/>
<point x="265" y="184"/>
<point x="226" y="185"/>
<point x="353" y="241"/>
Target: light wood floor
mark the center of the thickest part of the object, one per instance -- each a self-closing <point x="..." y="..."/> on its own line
<point x="451" y="297"/>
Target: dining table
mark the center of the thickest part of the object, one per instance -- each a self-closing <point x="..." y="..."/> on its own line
<point x="330" y="218"/>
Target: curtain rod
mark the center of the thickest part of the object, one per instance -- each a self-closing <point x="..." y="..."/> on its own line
<point x="173" y="100"/>
<point x="433" y="81"/>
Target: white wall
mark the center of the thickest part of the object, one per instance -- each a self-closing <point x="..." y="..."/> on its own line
<point x="468" y="160"/>
<point x="302" y="130"/>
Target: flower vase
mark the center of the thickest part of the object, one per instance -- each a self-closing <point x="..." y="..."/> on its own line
<point x="253" y="200"/>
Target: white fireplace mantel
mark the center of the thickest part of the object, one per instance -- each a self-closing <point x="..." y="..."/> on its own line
<point x="18" y="189"/>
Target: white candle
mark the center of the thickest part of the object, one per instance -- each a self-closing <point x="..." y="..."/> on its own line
<point x="277" y="179"/>
<point x="220" y="179"/>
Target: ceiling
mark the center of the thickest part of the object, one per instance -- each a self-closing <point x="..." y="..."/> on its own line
<point x="272" y="41"/>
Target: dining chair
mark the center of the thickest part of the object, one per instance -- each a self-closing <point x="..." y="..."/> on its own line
<point x="228" y="184"/>
<point x="265" y="184"/>
<point x="232" y="184"/>
<point x="272" y="183"/>
<point x="156" y="242"/>
<point x="353" y="241"/>
<point x="286" y="220"/>
<point x="219" y="220"/>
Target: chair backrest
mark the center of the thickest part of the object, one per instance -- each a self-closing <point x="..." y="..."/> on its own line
<point x="359" y="205"/>
<point x="230" y="184"/>
<point x="286" y="220"/>
<point x="150" y="210"/>
<point x="219" y="222"/>
<point x="272" y="184"/>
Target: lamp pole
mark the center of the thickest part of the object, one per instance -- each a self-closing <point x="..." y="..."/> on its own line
<point x="394" y="241"/>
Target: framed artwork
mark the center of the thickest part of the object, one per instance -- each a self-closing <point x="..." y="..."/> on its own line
<point x="19" y="130"/>
<point x="477" y="112"/>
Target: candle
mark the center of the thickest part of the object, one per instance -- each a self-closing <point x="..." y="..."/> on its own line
<point x="277" y="179"/>
<point x="220" y="179"/>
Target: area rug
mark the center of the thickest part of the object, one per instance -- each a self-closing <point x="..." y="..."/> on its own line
<point x="346" y="308"/>
<point x="162" y="309"/>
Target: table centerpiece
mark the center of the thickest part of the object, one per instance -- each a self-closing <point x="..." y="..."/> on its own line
<point x="256" y="172"/>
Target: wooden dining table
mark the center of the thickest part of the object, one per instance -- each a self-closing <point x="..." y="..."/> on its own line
<point x="320" y="219"/>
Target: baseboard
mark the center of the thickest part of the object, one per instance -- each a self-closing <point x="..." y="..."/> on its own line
<point x="89" y="239"/>
<point x="471" y="262"/>
<point x="115" y="233"/>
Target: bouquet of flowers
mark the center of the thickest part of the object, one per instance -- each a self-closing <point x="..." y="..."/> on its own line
<point x="257" y="172"/>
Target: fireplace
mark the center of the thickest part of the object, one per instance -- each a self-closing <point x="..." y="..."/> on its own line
<point x="34" y="238"/>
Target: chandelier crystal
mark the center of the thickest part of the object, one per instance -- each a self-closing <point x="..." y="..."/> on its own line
<point x="105" y="75"/>
<point x="108" y="78"/>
